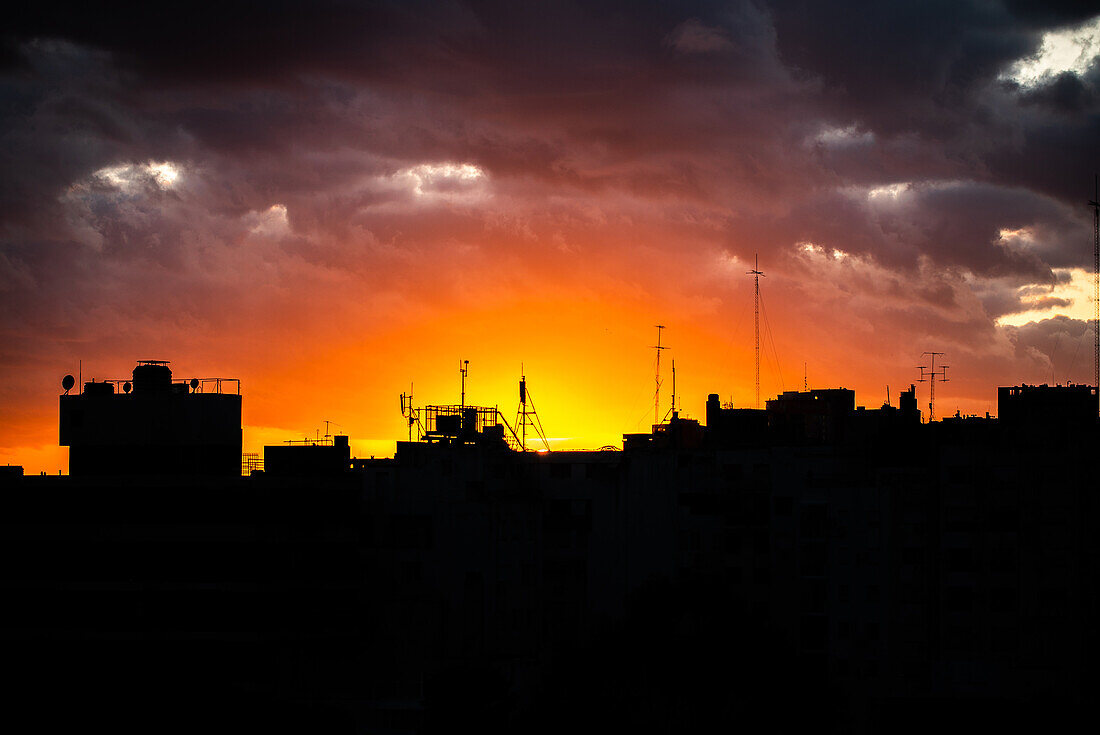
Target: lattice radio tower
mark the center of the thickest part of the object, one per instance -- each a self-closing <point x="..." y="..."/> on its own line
<point x="528" y="416"/>
<point x="756" y="273"/>
<point x="1095" y="204"/>
<point x="929" y="373"/>
<point x="657" y="377"/>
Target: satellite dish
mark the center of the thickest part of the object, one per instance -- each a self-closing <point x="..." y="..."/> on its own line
<point x="68" y="382"/>
<point x="126" y="387"/>
<point x="194" y="383"/>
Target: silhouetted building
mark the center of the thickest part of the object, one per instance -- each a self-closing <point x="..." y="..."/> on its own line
<point x="10" y="473"/>
<point x="153" y="425"/>
<point x="729" y="425"/>
<point x="881" y="574"/>
<point x="308" y="458"/>
<point x="810" y="417"/>
<point x="1047" y="406"/>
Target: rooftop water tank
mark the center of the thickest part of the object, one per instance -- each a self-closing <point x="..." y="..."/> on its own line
<point x="152" y="376"/>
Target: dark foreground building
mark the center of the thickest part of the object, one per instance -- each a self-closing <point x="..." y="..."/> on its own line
<point x="153" y="425"/>
<point x="812" y="565"/>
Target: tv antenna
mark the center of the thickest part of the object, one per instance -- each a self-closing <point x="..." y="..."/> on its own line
<point x="657" y="376"/>
<point x="756" y="273"/>
<point x="929" y="374"/>
<point x="1095" y="204"/>
<point x="328" y="435"/>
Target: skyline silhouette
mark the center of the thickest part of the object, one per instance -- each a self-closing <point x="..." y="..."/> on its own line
<point x="884" y="573"/>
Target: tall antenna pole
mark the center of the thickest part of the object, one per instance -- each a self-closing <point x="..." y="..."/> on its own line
<point x="1095" y="204"/>
<point x="756" y="273"/>
<point x="657" y="377"/>
<point x="523" y="407"/>
<point x="674" y="389"/>
<point x="931" y="376"/>
<point x="408" y="411"/>
<point x="805" y="379"/>
<point x="463" y="367"/>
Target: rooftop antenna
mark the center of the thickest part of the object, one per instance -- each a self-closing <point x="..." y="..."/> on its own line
<point x="657" y="376"/>
<point x="1095" y="204"/>
<point x="528" y="416"/>
<point x="756" y="273"/>
<point x="463" y="367"/>
<point x="411" y="415"/>
<point x="674" y="412"/>
<point x="328" y="435"/>
<point x="931" y="376"/>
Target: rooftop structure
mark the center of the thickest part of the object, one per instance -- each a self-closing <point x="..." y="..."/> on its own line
<point x="152" y="425"/>
<point x="1045" y="406"/>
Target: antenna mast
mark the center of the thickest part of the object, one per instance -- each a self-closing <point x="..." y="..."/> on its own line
<point x="674" y="390"/>
<point x="1095" y="204"/>
<point x="672" y="409"/>
<point x="529" y="416"/>
<point x="411" y="414"/>
<point x="463" y="367"/>
<point x="931" y="376"/>
<point x="657" y="377"/>
<point x="756" y="273"/>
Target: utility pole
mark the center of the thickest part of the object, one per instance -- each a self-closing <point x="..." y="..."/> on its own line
<point x="756" y="273"/>
<point x="463" y="367"/>
<point x="931" y="376"/>
<point x="657" y="377"/>
<point x="1095" y="204"/>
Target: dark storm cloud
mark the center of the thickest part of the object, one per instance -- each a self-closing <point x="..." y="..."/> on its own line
<point x="1067" y="94"/>
<point x="581" y="94"/>
<point x="1056" y="349"/>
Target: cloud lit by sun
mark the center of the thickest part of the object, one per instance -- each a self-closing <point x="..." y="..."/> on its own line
<point x="1072" y="49"/>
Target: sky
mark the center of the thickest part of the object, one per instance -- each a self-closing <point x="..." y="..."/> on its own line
<point x="337" y="202"/>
